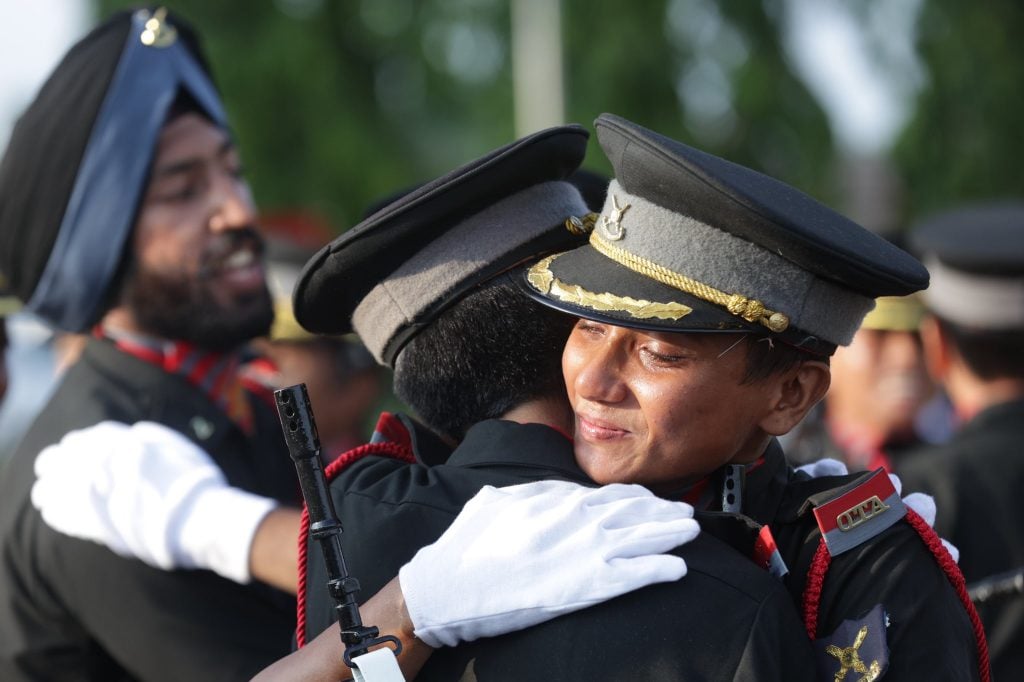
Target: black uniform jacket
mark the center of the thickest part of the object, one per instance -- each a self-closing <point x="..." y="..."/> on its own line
<point x="977" y="479"/>
<point x="727" y="619"/>
<point x="928" y="634"/>
<point x="73" y="610"/>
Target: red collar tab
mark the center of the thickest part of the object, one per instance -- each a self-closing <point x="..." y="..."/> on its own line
<point x="391" y="429"/>
<point x="767" y="554"/>
<point x="214" y="373"/>
<point x="860" y="513"/>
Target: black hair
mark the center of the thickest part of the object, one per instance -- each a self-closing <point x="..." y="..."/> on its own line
<point x="990" y="354"/>
<point x="767" y="357"/>
<point x="491" y="351"/>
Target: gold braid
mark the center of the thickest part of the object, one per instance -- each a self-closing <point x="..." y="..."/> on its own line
<point x="749" y="309"/>
<point x="581" y="226"/>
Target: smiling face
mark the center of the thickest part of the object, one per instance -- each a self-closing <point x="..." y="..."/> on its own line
<point x="197" y="272"/>
<point x="663" y="409"/>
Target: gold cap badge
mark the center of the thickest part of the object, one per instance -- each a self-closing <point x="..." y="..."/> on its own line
<point x="158" y="32"/>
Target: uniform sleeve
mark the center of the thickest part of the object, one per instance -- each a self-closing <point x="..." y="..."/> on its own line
<point x="777" y="647"/>
<point x="177" y="625"/>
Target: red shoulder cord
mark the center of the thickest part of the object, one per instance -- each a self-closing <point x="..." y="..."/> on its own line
<point x="822" y="559"/>
<point x="387" y="449"/>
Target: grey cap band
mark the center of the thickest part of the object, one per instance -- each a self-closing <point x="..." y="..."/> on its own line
<point x="973" y="300"/>
<point x="730" y="264"/>
<point x="436" y="273"/>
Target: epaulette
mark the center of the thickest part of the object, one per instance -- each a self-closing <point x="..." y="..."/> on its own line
<point x="857" y="512"/>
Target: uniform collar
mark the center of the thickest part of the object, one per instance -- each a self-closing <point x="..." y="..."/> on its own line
<point x="765" y="486"/>
<point x="496" y="442"/>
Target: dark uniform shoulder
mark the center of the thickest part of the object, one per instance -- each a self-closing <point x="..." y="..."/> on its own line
<point x="867" y="572"/>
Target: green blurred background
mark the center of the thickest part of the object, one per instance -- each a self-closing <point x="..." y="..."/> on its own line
<point x="340" y="102"/>
<point x="883" y="109"/>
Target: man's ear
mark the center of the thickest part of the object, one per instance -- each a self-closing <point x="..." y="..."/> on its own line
<point x="794" y="393"/>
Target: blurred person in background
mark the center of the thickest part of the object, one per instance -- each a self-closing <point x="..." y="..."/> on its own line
<point x="8" y="304"/>
<point x="125" y="215"/>
<point x="870" y="414"/>
<point x="973" y="340"/>
<point x="344" y="382"/>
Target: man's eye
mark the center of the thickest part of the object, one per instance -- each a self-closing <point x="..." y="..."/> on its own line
<point x="661" y="358"/>
<point x="181" y="193"/>
<point x="587" y="327"/>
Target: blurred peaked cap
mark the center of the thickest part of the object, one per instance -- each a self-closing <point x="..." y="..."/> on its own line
<point x="592" y="185"/>
<point x="975" y="254"/>
<point x="688" y="241"/>
<point x="986" y="239"/>
<point x="76" y="166"/>
<point x="896" y="314"/>
<point x="389" y="276"/>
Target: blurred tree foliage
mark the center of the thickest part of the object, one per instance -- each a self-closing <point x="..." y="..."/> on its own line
<point x="966" y="137"/>
<point x="337" y="103"/>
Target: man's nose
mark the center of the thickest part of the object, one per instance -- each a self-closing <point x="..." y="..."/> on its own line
<point x="232" y="204"/>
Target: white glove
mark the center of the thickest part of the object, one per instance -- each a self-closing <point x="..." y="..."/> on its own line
<point x="824" y="467"/>
<point x="921" y="503"/>
<point x="522" y="555"/>
<point x="924" y="505"/>
<point x="148" y="492"/>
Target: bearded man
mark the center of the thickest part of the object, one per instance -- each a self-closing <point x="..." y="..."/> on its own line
<point x="124" y="213"/>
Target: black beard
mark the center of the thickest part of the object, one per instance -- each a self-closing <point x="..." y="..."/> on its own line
<point x="181" y="307"/>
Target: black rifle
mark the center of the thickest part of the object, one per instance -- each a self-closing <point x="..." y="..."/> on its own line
<point x="997" y="586"/>
<point x="300" y="434"/>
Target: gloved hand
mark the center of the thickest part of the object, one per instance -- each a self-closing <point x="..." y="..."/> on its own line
<point x="524" y="554"/>
<point x="148" y="492"/>
<point x="921" y="503"/>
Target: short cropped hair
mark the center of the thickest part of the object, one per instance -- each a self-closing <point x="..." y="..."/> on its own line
<point x="767" y="357"/>
<point x="491" y="351"/>
<point x="990" y="354"/>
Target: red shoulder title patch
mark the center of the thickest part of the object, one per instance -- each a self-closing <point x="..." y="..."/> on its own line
<point x="859" y="514"/>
